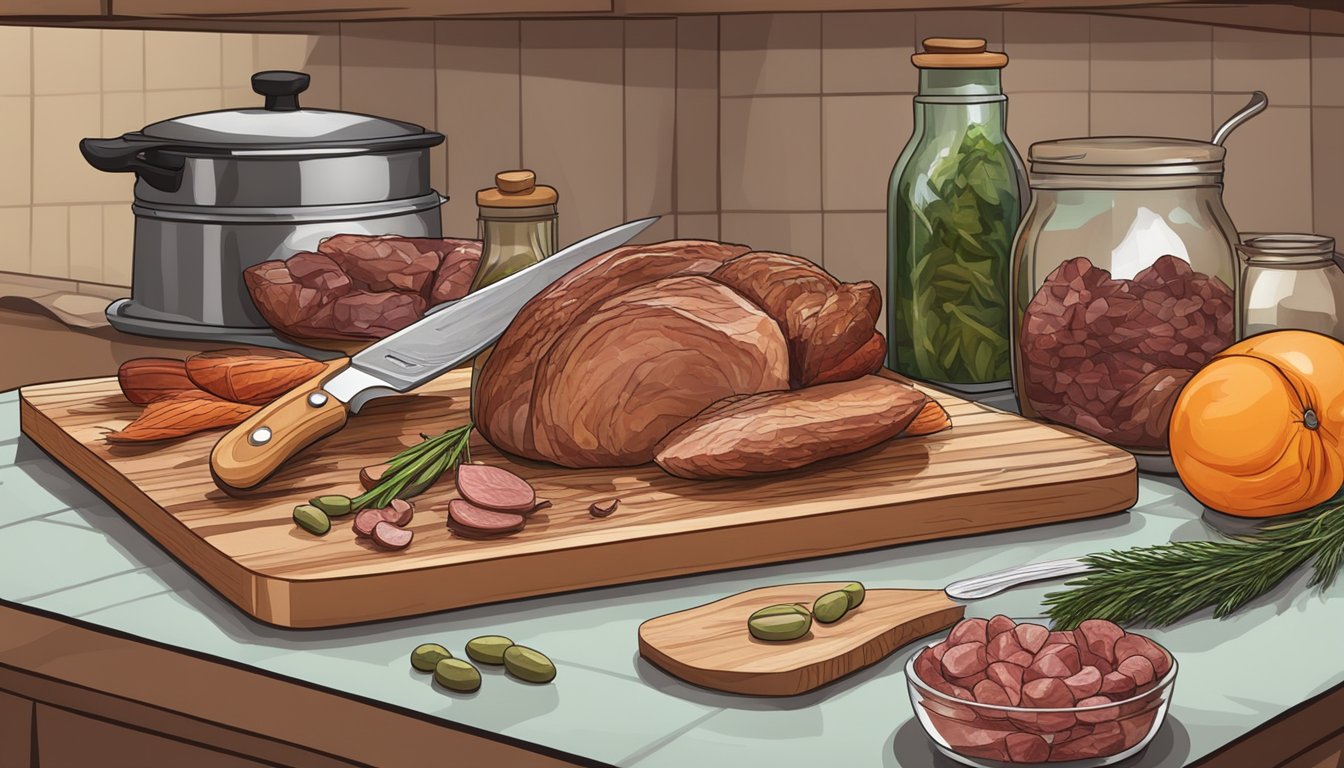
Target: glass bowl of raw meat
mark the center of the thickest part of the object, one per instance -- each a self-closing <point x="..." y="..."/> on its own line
<point x="999" y="693"/>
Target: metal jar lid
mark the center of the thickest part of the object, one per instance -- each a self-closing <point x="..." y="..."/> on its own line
<point x="1286" y="249"/>
<point x="1125" y="161"/>
<point x="283" y="127"/>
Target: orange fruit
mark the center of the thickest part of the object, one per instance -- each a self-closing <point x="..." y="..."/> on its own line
<point x="1256" y="432"/>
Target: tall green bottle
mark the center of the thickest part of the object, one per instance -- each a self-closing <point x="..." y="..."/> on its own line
<point x="956" y="196"/>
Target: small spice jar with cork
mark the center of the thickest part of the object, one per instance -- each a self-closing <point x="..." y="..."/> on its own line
<point x="517" y="223"/>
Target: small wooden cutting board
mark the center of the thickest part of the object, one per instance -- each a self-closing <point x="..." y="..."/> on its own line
<point x="710" y="646"/>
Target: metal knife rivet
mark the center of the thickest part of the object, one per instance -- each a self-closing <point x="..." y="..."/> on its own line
<point x="317" y="399"/>
<point x="260" y="436"/>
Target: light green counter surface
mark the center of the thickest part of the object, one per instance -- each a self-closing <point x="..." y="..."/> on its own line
<point x="63" y="549"/>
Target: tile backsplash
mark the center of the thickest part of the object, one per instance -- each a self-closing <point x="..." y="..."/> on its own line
<point x="775" y="129"/>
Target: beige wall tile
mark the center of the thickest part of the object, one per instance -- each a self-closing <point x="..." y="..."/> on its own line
<point x="478" y="103"/>
<point x="318" y="54"/>
<point x="16" y="134"/>
<point x="664" y="228"/>
<point x="795" y="233"/>
<point x="697" y="156"/>
<point x="16" y="58"/>
<point x="1278" y="64"/>
<point x="1034" y="117"/>
<point x="1182" y="115"/>
<point x="66" y="60"/>
<point x="182" y="60"/>
<point x="387" y="69"/>
<point x="1046" y="52"/>
<point x="1327" y="71"/>
<point x="16" y="224"/>
<point x="236" y="68"/>
<point x="1327" y="170"/>
<point x="861" y="138"/>
<point x="572" y="113"/>
<point x="856" y="249"/>
<point x="51" y="241"/>
<point x="1144" y="55"/>
<point x="698" y="226"/>
<point x="771" y="153"/>
<point x="985" y="24"/>
<point x="123" y="57"/>
<point x="118" y="244"/>
<point x="161" y="105"/>
<point x="650" y="116"/>
<point x="60" y="174"/>
<point x="868" y="53"/>
<point x="770" y="53"/>
<point x="123" y="112"/>
<point x="1267" y="186"/>
<point x="86" y="242"/>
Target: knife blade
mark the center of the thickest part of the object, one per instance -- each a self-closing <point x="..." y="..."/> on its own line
<point x="438" y="342"/>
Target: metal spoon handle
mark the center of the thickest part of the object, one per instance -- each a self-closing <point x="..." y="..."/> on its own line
<point x="993" y="583"/>
<point x="1253" y="107"/>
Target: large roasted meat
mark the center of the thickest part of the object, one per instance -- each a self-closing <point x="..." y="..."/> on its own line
<point x="605" y="364"/>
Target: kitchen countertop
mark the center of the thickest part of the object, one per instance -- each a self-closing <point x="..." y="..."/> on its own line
<point x="65" y="551"/>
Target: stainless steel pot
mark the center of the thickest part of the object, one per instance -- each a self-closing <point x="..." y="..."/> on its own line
<point x="220" y="191"/>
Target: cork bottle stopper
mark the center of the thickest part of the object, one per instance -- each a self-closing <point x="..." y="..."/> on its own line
<point x="515" y="181"/>
<point x="958" y="53"/>
<point x="516" y="189"/>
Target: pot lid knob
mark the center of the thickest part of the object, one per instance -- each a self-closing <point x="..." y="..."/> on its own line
<point x="281" y="89"/>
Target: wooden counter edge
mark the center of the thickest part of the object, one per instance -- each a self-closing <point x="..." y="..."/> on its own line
<point x="219" y="705"/>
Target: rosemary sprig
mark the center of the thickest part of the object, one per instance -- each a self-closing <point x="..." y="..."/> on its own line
<point x="1162" y="584"/>
<point x="415" y="469"/>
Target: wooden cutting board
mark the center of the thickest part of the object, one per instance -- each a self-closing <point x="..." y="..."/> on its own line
<point x="710" y="646"/>
<point x="991" y="471"/>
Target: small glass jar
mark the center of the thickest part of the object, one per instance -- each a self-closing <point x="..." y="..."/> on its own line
<point x="955" y="197"/>
<point x="1291" y="281"/>
<point x="517" y="225"/>
<point x="1124" y="285"/>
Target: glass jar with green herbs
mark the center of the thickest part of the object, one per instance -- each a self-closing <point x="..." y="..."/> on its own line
<point x="956" y="196"/>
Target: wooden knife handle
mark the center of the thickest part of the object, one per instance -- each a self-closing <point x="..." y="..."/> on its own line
<point x="255" y="449"/>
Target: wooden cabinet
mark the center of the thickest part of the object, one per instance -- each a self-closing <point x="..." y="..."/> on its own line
<point x="69" y="740"/>
<point x="16" y="730"/>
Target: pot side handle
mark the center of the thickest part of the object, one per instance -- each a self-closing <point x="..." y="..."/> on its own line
<point x="121" y="155"/>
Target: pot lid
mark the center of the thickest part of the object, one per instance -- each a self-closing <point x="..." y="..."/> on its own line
<point x="281" y="121"/>
<point x="1100" y="152"/>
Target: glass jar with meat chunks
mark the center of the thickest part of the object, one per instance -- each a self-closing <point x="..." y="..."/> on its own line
<point x="1124" y="284"/>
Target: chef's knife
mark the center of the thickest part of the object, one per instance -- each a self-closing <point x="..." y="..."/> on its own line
<point x="439" y="342"/>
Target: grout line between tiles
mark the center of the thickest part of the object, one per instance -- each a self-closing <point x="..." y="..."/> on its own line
<point x="119" y="603"/>
<point x="38" y="517"/>
<point x="821" y="131"/>
<point x="659" y="743"/>
<point x="78" y="585"/>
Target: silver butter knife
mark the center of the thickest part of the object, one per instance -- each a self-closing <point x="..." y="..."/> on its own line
<point x="439" y="342"/>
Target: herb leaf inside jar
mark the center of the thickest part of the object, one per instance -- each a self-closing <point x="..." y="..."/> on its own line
<point x="965" y="212"/>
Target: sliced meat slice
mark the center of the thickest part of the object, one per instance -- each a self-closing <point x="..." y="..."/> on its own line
<point x="473" y="522"/>
<point x="777" y="431"/>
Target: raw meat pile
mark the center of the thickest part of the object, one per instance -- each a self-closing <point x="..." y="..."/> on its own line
<point x="1109" y="356"/>
<point x="714" y="360"/>
<point x="1000" y="663"/>
<point x="361" y="286"/>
